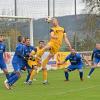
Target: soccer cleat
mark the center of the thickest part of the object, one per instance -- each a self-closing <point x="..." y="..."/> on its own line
<point x="7" y="85"/>
<point x="25" y="82"/>
<point x="45" y="82"/>
<point x="88" y="76"/>
<point x="82" y="79"/>
<point x="66" y="80"/>
<point x="29" y="82"/>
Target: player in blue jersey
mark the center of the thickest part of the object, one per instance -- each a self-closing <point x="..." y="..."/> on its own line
<point x="95" y="58"/>
<point x="17" y="62"/>
<point x="2" y="56"/>
<point x="27" y="50"/>
<point x="75" y="63"/>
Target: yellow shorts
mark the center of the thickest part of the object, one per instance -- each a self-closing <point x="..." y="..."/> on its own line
<point x="33" y="63"/>
<point x="54" y="47"/>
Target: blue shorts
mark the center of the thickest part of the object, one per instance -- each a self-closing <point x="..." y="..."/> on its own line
<point x="74" y="67"/>
<point x="3" y="65"/>
<point x="17" y="66"/>
<point x="96" y="60"/>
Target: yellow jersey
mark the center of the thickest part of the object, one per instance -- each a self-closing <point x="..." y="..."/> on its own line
<point x="59" y="32"/>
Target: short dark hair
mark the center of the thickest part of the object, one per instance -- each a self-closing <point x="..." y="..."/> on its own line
<point x="41" y="41"/>
<point x="19" y="38"/>
<point x="26" y="38"/>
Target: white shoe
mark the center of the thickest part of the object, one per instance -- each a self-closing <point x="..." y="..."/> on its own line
<point x="25" y="82"/>
<point x="29" y="82"/>
<point x="88" y="76"/>
<point x="7" y="85"/>
<point x="45" y="82"/>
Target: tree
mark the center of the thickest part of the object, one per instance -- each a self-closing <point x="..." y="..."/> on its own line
<point x="92" y="6"/>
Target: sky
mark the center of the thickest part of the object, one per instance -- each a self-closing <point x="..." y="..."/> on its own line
<point x="39" y="8"/>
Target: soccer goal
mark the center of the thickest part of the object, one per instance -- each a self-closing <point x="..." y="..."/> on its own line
<point x="13" y="26"/>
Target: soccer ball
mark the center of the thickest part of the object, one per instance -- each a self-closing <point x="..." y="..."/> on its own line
<point x="48" y="19"/>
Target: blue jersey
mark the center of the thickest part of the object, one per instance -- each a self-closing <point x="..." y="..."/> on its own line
<point x="19" y="54"/>
<point x="2" y="50"/>
<point x="96" y="54"/>
<point x="74" y="59"/>
<point x="27" y="50"/>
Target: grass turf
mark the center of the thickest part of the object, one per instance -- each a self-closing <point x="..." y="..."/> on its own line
<point x="57" y="89"/>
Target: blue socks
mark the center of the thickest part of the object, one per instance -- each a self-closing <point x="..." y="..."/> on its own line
<point x="81" y="75"/>
<point x="7" y="76"/>
<point x="13" y="79"/>
<point x="91" y="71"/>
<point x="11" y="74"/>
<point x="67" y="76"/>
<point x="28" y="77"/>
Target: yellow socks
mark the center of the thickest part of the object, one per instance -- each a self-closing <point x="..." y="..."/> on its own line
<point x="33" y="73"/>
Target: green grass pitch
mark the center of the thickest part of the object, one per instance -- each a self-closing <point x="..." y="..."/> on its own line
<point x="57" y="89"/>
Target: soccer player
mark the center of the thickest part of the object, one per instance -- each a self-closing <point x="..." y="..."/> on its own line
<point x="95" y="58"/>
<point x="2" y="56"/>
<point x="37" y="67"/>
<point x="17" y="62"/>
<point x="57" y="34"/>
<point x="27" y="50"/>
<point x="75" y="63"/>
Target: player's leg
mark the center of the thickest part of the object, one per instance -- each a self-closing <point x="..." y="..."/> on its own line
<point x="14" y="77"/>
<point x="33" y="74"/>
<point x="95" y="62"/>
<point x="28" y="76"/>
<point x="6" y="73"/>
<point x="44" y="69"/>
<point x="80" y="69"/>
<point x="4" y="69"/>
<point x="92" y="70"/>
<point x="41" y="52"/>
<point x="67" y="70"/>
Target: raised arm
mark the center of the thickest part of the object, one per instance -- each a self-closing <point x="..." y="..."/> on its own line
<point x="67" y="41"/>
<point x="61" y="63"/>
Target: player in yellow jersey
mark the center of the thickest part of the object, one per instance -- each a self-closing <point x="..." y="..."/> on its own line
<point x="37" y="63"/>
<point x="57" y="34"/>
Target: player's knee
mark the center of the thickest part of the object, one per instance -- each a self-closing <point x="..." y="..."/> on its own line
<point x="18" y="74"/>
<point x="66" y="70"/>
<point x="5" y="71"/>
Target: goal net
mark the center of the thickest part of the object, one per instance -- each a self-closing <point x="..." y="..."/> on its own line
<point x="12" y="27"/>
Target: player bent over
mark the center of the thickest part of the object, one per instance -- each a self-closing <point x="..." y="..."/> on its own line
<point x="95" y="58"/>
<point x="17" y="62"/>
<point x="57" y="34"/>
<point x="75" y="63"/>
<point x="27" y="50"/>
<point x="37" y="64"/>
<point x="34" y="64"/>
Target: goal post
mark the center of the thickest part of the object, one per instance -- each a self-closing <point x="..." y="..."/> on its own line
<point x="6" y="22"/>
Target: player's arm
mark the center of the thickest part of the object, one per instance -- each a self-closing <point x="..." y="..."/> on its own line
<point x="92" y="56"/>
<point x="63" y="62"/>
<point x="53" y="36"/>
<point x="67" y="41"/>
<point x="4" y="50"/>
<point x="87" y="62"/>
